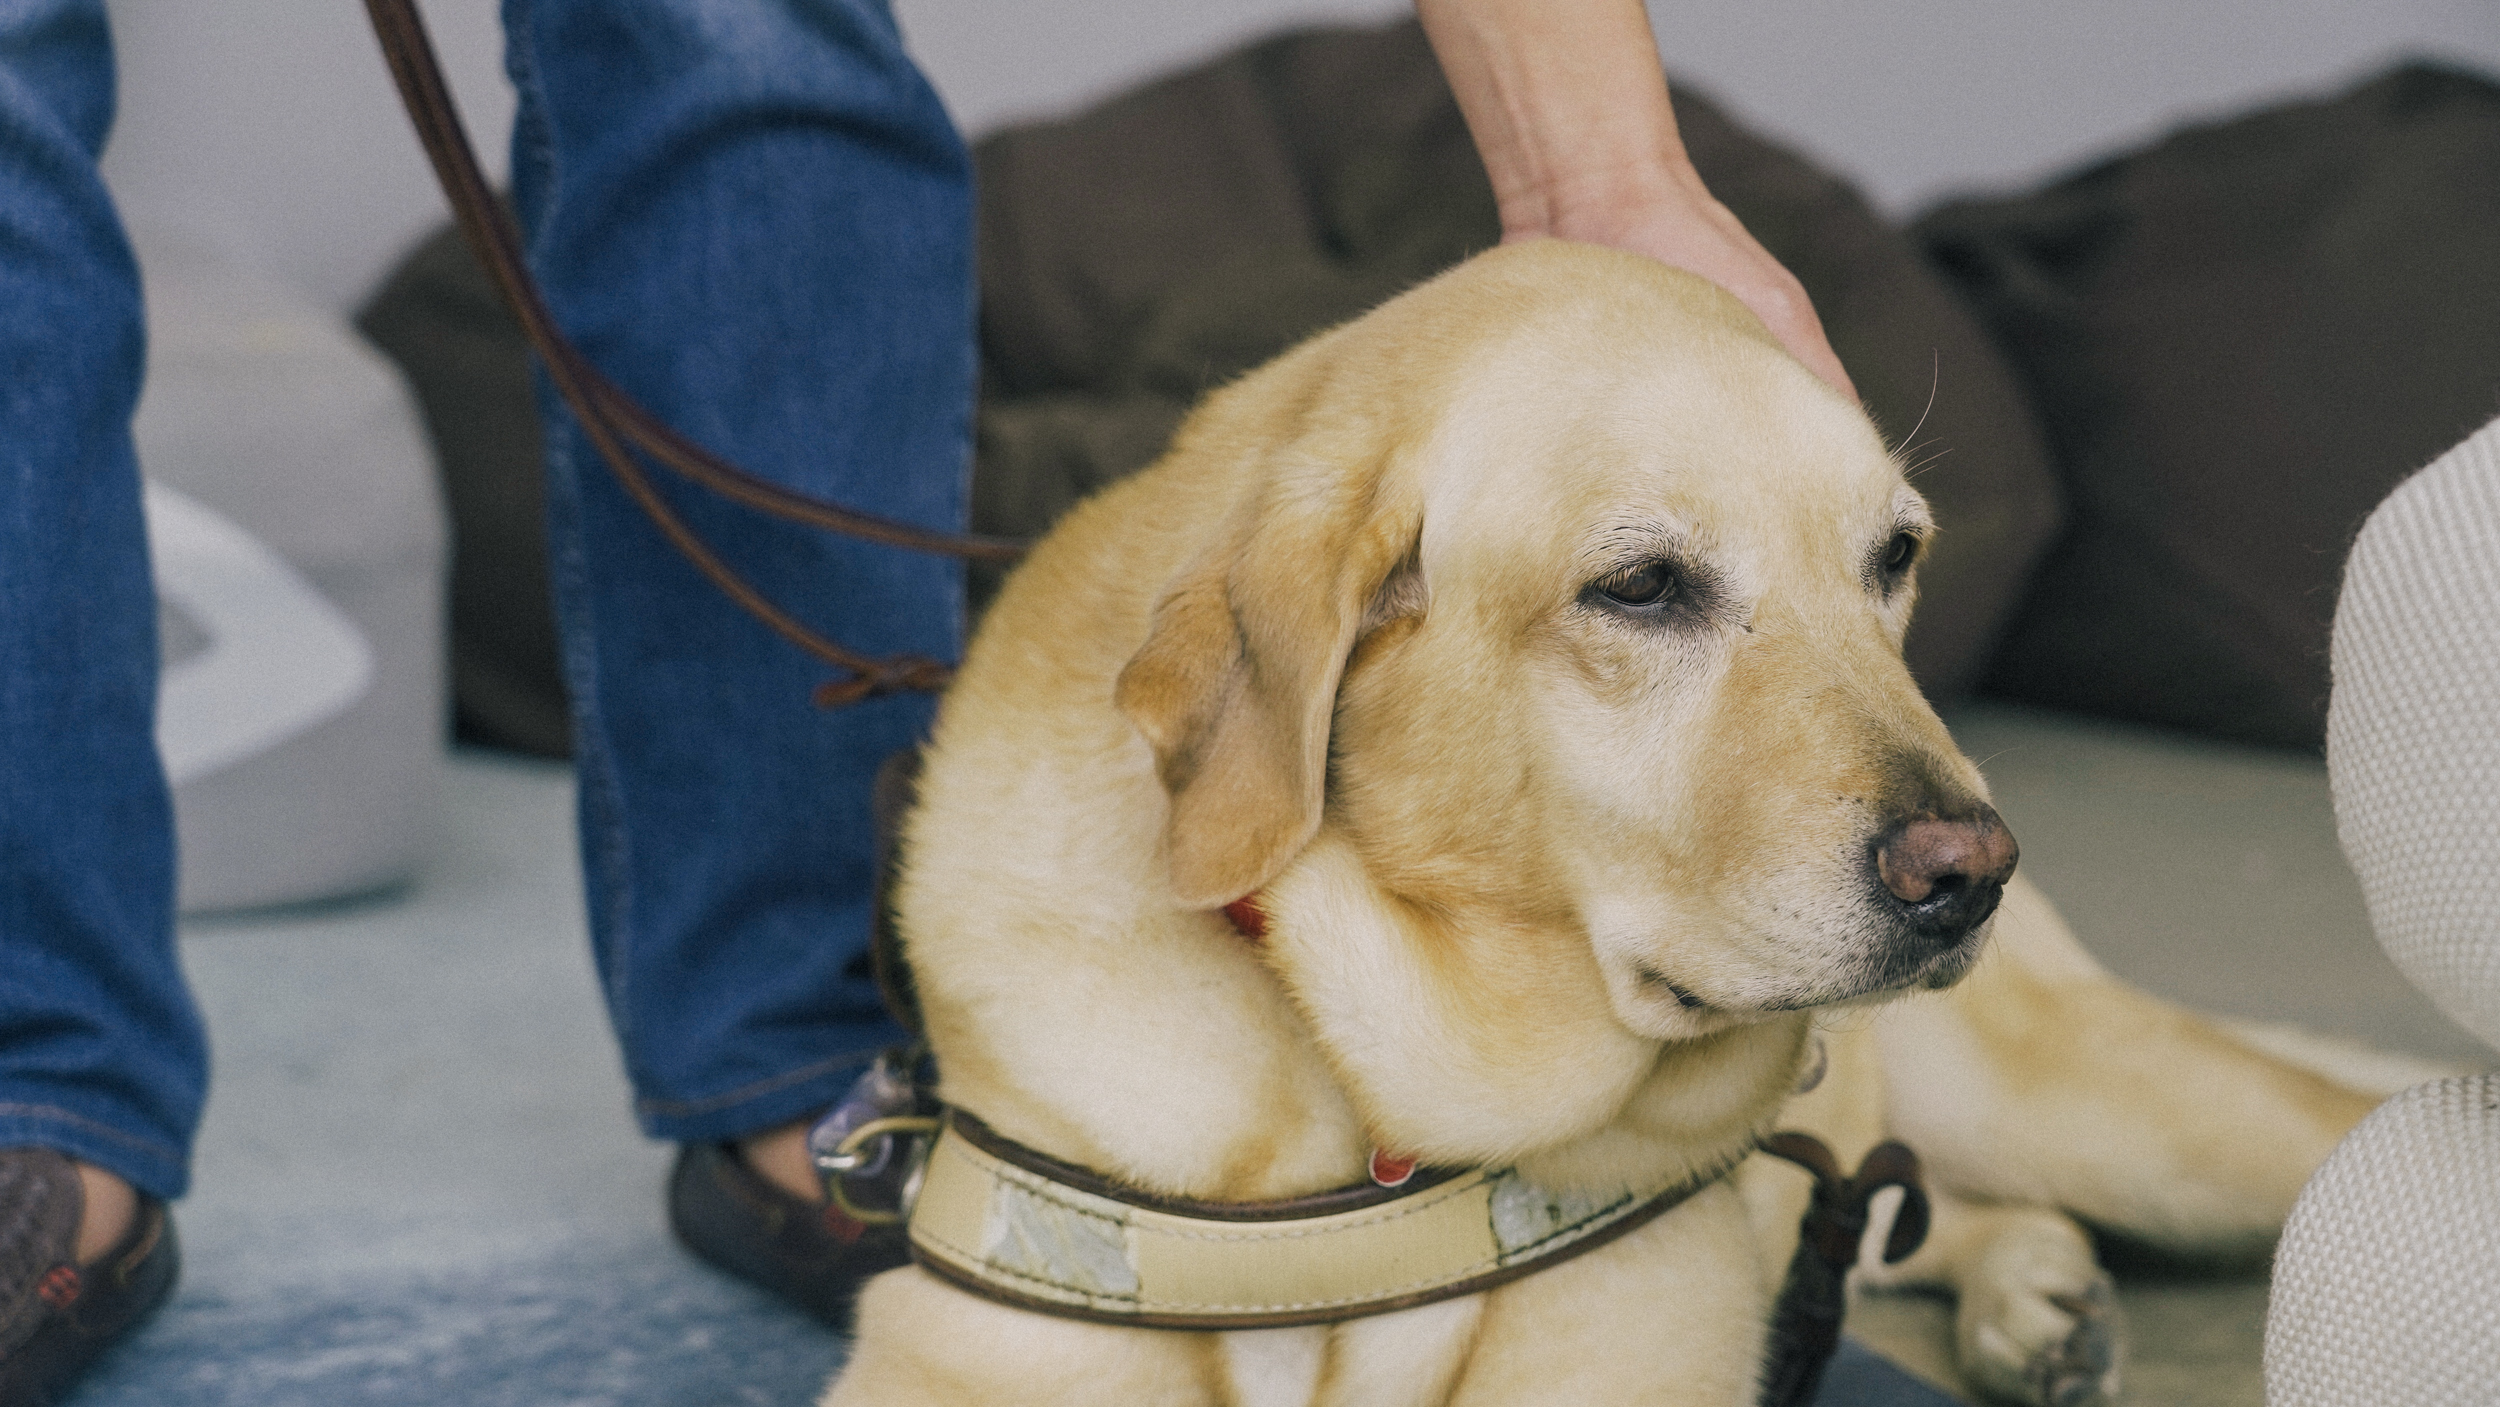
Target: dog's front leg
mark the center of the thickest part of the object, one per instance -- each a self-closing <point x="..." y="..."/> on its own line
<point x="2036" y="1318"/>
<point x="922" y="1342"/>
<point x="1672" y="1315"/>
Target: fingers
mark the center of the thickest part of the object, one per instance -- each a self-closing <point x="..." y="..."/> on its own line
<point x="1679" y="223"/>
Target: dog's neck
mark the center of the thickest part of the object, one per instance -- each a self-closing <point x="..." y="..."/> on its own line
<point x="1481" y="1038"/>
<point x="1274" y="1068"/>
<point x="1080" y="1012"/>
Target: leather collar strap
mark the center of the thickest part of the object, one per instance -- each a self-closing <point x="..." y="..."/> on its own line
<point x="1018" y="1226"/>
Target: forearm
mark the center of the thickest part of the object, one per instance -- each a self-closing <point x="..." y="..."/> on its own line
<point x="1566" y="102"/>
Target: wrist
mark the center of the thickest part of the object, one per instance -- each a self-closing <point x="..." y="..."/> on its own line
<point x="1599" y="201"/>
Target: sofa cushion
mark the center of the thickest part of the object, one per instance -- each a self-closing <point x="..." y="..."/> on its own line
<point x="441" y="318"/>
<point x="2238" y="340"/>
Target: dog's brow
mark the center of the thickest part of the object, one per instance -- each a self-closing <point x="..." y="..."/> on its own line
<point x="1910" y="514"/>
<point x="1620" y="541"/>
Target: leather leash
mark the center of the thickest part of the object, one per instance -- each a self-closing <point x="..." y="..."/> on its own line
<point x="618" y="426"/>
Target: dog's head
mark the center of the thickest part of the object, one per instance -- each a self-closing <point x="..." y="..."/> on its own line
<point x="1570" y="599"/>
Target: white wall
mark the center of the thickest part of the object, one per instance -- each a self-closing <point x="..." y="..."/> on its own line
<point x="268" y="129"/>
<point x="999" y="61"/>
<point x="1911" y="97"/>
<point x="268" y="126"/>
<point x="1916" y="98"/>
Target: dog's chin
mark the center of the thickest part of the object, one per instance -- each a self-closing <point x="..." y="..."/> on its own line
<point x="1655" y="1006"/>
<point x="1650" y="1011"/>
<point x="1658" y="1005"/>
<point x="1901" y="972"/>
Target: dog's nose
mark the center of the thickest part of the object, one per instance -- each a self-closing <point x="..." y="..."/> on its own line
<point x="1948" y="873"/>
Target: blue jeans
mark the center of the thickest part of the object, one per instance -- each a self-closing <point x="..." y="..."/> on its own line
<point x="100" y="1051"/>
<point x="756" y="217"/>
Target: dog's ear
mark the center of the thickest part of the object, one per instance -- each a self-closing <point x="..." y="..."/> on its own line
<point x="1237" y="681"/>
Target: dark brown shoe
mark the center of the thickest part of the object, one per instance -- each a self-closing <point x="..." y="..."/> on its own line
<point x="809" y="1253"/>
<point x="57" y="1316"/>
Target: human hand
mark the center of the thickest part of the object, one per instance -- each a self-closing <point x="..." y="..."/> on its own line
<point x="1568" y="106"/>
<point x="1671" y="217"/>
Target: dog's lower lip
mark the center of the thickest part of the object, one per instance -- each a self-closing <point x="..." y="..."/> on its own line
<point x="1655" y="978"/>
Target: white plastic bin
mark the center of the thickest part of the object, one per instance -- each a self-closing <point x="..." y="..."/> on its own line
<point x="299" y="542"/>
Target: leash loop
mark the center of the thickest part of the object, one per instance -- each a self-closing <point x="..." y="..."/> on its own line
<point x="904" y="1136"/>
<point x="848" y="1157"/>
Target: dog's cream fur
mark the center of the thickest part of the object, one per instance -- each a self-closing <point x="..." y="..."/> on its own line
<point x="1550" y="882"/>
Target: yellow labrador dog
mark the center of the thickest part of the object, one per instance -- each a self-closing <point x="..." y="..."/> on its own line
<point x="1531" y="649"/>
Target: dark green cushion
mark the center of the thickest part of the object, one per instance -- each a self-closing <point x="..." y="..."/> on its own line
<point x="2238" y="340"/>
<point x="439" y="316"/>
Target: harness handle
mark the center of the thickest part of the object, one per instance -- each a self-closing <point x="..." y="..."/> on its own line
<point x="1805" y="1324"/>
<point x="618" y="425"/>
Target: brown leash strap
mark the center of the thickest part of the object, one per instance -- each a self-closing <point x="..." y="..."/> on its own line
<point x="618" y="426"/>
<point x="1805" y="1324"/>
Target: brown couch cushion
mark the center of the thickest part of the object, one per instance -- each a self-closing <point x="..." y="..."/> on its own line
<point x="2238" y="341"/>
<point x="440" y="317"/>
<point x="1136" y="254"/>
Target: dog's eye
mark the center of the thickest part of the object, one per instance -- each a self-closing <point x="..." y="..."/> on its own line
<point x="1644" y="585"/>
<point x="1899" y="553"/>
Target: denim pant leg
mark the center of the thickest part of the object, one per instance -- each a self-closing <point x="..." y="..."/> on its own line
<point x="101" y="1053"/>
<point x="756" y="217"/>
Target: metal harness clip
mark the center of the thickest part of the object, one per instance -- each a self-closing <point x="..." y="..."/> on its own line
<point x="872" y="1148"/>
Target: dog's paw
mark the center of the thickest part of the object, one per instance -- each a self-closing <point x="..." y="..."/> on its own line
<point x="2039" y="1346"/>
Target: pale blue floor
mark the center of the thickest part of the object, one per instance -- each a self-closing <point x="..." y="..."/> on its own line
<point x="418" y="1182"/>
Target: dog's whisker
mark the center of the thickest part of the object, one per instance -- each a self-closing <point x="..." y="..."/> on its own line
<point x="1913" y="471"/>
<point x="1935" y="378"/>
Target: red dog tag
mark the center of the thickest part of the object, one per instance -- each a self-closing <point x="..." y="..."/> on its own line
<point x="1390" y="1170"/>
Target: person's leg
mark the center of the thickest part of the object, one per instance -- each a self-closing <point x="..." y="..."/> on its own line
<point x="101" y="1052"/>
<point x="755" y="216"/>
<point x="102" y="1062"/>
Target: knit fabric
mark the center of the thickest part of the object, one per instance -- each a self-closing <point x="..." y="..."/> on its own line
<point x="2387" y="1283"/>
<point x="2413" y="732"/>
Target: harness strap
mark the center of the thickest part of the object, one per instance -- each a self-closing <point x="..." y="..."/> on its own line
<point x="1015" y="1225"/>
<point x="1805" y="1324"/>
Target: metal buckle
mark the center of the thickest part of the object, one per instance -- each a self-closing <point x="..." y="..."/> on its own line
<point x="848" y="1160"/>
<point x="871" y="1149"/>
